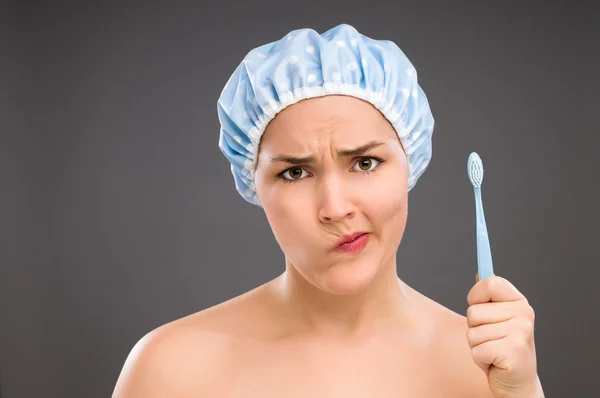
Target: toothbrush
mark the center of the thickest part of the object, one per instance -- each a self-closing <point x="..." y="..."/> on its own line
<point x="485" y="267"/>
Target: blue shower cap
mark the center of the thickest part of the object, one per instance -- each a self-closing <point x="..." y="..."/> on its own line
<point x="304" y="64"/>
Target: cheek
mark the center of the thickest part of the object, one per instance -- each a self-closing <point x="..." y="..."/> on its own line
<point x="387" y="204"/>
<point x="290" y="219"/>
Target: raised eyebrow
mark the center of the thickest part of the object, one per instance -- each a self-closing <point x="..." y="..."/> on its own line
<point x="360" y="150"/>
<point x="342" y="153"/>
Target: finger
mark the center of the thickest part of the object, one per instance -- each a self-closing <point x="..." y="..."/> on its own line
<point x="507" y="353"/>
<point x="489" y="353"/>
<point x="494" y="288"/>
<point x="519" y="329"/>
<point x="480" y="314"/>
<point x="490" y="331"/>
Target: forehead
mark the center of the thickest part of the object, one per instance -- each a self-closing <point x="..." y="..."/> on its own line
<point x="346" y="120"/>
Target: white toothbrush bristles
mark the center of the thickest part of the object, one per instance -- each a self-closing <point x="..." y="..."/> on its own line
<point x="475" y="169"/>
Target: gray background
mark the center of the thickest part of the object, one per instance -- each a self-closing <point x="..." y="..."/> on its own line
<point x="119" y="212"/>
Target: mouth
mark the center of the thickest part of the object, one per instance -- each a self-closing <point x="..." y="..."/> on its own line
<point x="353" y="243"/>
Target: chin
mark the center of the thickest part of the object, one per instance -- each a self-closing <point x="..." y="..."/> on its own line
<point x="348" y="277"/>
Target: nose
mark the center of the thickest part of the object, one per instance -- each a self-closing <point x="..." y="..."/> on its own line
<point x="335" y="204"/>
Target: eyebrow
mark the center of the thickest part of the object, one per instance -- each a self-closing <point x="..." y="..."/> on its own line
<point x="341" y="153"/>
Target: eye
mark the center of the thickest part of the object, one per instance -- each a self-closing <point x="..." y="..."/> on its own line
<point x="367" y="164"/>
<point x="293" y="173"/>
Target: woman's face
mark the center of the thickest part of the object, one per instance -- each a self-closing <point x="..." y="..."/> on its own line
<point x="328" y="167"/>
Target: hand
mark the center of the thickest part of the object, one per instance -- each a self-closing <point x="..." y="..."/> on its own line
<point x="501" y="338"/>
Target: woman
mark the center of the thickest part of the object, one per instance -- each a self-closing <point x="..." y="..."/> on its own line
<point x="328" y="134"/>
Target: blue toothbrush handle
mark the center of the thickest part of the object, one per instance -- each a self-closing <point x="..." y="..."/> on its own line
<point x="485" y="267"/>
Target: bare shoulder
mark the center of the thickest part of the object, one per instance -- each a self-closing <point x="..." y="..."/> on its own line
<point x="465" y="377"/>
<point x="170" y="361"/>
<point x="187" y="357"/>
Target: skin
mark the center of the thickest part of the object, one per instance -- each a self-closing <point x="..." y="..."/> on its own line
<point x="338" y="324"/>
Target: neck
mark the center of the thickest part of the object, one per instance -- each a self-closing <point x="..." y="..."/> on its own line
<point x="385" y="301"/>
